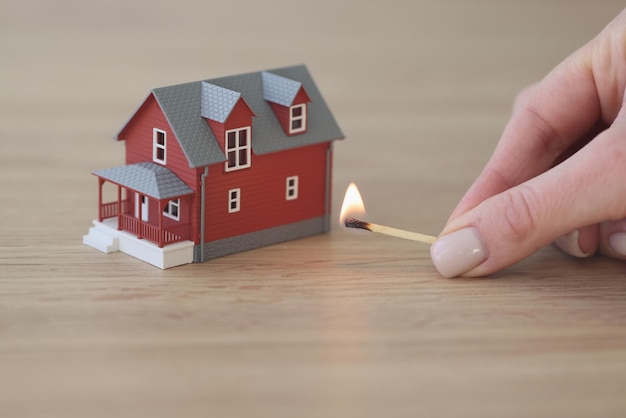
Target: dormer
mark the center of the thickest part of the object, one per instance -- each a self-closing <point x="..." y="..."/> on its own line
<point x="230" y="119"/>
<point x="288" y="100"/>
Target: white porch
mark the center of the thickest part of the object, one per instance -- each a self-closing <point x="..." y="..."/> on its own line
<point x="105" y="236"/>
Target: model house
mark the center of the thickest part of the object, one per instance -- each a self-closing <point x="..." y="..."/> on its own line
<point x="219" y="166"/>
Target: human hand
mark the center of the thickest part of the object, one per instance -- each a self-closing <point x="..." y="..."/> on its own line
<point x="557" y="173"/>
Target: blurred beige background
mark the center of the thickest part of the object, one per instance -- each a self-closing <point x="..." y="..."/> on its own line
<point x="337" y="325"/>
<point x="440" y="74"/>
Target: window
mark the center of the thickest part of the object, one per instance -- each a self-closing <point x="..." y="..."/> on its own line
<point x="172" y="210"/>
<point x="234" y="200"/>
<point x="297" y="119"/>
<point x="291" y="192"/>
<point x="158" y="149"/>
<point x="238" y="148"/>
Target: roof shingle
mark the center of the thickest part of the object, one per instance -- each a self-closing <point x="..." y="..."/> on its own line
<point x="217" y="102"/>
<point x="279" y="90"/>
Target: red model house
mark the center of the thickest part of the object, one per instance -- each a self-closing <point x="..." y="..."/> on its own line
<point x="219" y="166"/>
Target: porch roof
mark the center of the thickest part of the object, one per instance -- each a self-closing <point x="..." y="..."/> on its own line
<point x="147" y="178"/>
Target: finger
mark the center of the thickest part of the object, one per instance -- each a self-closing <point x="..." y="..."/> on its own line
<point x="613" y="239"/>
<point x="522" y="96"/>
<point x="548" y="120"/>
<point x="582" y="141"/>
<point x="584" y="190"/>
<point x="579" y="243"/>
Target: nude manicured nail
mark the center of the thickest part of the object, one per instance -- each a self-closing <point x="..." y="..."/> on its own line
<point x="617" y="240"/>
<point x="569" y="244"/>
<point x="458" y="252"/>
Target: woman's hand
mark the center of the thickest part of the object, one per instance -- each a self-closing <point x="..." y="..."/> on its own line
<point x="558" y="172"/>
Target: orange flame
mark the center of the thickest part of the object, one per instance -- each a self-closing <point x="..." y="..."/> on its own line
<point x="353" y="205"/>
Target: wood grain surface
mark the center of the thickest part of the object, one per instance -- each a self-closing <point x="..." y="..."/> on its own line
<point x="338" y="325"/>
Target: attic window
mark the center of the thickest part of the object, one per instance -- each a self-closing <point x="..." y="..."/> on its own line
<point x="158" y="141"/>
<point x="238" y="148"/>
<point x="288" y="100"/>
<point x="297" y="118"/>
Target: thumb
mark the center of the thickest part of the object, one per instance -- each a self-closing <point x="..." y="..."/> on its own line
<point x="585" y="189"/>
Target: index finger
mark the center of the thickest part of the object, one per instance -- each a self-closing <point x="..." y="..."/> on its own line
<point x="550" y="118"/>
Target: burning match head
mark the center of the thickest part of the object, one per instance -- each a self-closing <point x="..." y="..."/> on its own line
<point x="355" y="223"/>
<point x="352" y="205"/>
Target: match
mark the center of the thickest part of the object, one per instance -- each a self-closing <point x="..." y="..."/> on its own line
<point x="386" y="230"/>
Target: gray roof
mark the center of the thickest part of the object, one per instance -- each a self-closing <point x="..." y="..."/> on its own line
<point x="147" y="178"/>
<point x="183" y="106"/>
<point x="217" y="102"/>
<point x="279" y="89"/>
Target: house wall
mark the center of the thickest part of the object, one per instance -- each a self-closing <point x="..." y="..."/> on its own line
<point x="153" y="210"/>
<point x="263" y="188"/>
<point x="137" y="135"/>
<point x="263" y="185"/>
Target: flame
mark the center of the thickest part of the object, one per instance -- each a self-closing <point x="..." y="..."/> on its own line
<point x="352" y="205"/>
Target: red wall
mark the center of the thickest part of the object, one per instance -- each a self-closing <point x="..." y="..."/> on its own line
<point x="137" y="136"/>
<point x="263" y="186"/>
<point x="153" y="212"/>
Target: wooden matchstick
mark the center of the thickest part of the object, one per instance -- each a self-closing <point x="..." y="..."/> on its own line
<point x="386" y="230"/>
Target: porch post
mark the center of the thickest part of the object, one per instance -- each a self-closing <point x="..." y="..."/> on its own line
<point x="138" y="202"/>
<point x="119" y="208"/>
<point x="100" y="183"/>
<point x="161" y="232"/>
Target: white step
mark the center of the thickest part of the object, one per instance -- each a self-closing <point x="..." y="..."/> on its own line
<point x="100" y="239"/>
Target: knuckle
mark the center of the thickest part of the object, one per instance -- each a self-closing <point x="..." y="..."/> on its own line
<point x="519" y="214"/>
<point x="522" y="97"/>
<point x="502" y="181"/>
<point x="551" y="140"/>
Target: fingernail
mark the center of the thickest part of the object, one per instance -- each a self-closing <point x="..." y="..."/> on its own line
<point x="569" y="243"/>
<point x="617" y="241"/>
<point x="458" y="252"/>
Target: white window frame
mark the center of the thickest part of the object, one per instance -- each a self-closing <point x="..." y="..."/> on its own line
<point x="169" y="209"/>
<point x="291" y="190"/>
<point x="301" y="118"/>
<point x="237" y="149"/>
<point x="236" y="199"/>
<point x="156" y="146"/>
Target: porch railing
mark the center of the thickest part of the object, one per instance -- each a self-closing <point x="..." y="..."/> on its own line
<point x="110" y="210"/>
<point x="152" y="233"/>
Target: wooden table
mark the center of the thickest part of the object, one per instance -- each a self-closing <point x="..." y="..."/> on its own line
<point x="338" y="325"/>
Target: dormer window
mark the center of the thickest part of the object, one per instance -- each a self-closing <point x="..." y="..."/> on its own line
<point x="288" y="100"/>
<point x="230" y="120"/>
<point x="238" y="149"/>
<point x="297" y="118"/>
<point x="159" y="139"/>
